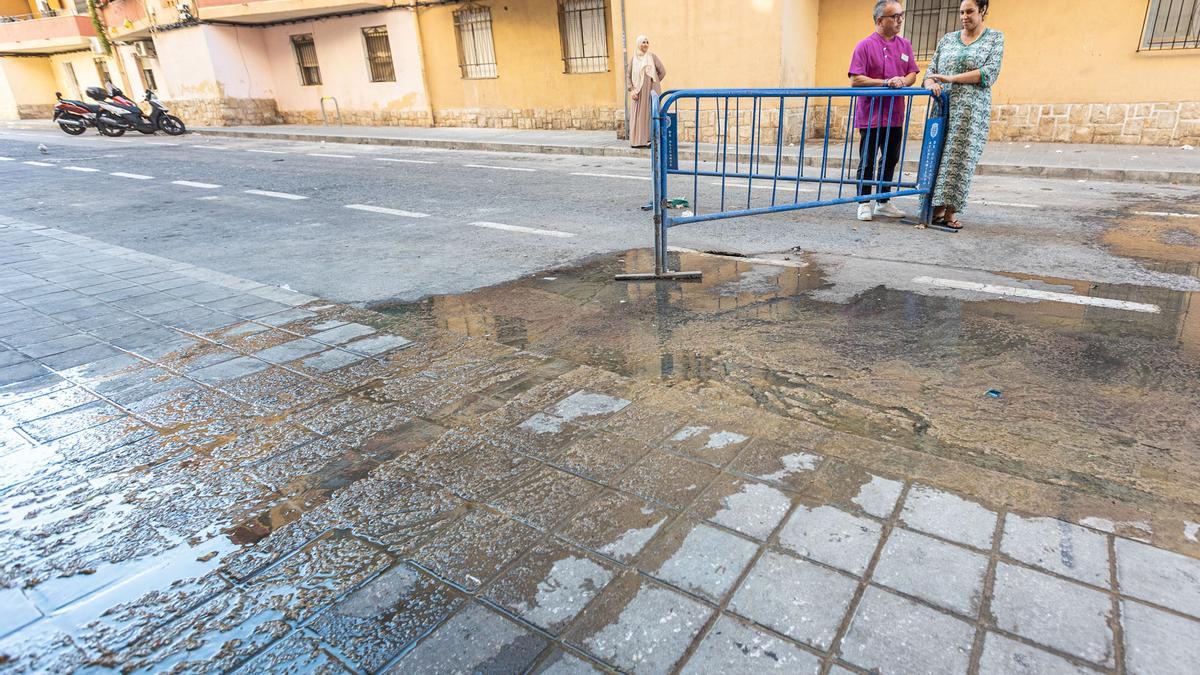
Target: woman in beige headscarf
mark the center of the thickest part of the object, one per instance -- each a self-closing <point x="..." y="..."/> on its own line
<point x="642" y="76"/>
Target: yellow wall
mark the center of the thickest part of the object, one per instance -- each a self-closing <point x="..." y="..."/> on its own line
<point x="528" y="62"/>
<point x="15" y="7"/>
<point x="1059" y="51"/>
<point x="24" y="82"/>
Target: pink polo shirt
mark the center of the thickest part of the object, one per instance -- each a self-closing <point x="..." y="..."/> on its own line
<point x="881" y="59"/>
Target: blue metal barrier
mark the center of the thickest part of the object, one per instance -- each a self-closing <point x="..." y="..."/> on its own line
<point x="781" y="123"/>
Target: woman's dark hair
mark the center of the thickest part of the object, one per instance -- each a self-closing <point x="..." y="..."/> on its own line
<point x="982" y="5"/>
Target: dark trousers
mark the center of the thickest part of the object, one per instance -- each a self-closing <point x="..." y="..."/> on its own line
<point x="872" y="143"/>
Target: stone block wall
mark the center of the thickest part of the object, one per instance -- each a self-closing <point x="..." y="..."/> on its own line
<point x="367" y="118"/>
<point x="1117" y="123"/>
<point x="35" y="111"/>
<point x="606" y="119"/>
<point x="225" y="111"/>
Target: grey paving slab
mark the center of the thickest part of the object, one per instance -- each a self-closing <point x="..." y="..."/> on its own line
<point x="343" y="333"/>
<point x="38" y="333"/>
<point x="699" y="558"/>
<point x="1168" y="579"/>
<point x="565" y="663"/>
<point x="374" y="346"/>
<point x="475" y="640"/>
<point x="285" y="317"/>
<point x="21" y="372"/>
<point x="331" y="359"/>
<point x="641" y="627"/>
<point x="10" y="357"/>
<point x="1058" y="546"/>
<point x="794" y="597"/>
<point x="551" y="586"/>
<point x="80" y="356"/>
<point x="59" y="345"/>
<point x="1054" y="612"/>
<point x="943" y="574"/>
<point x="228" y="370"/>
<point x="749" y="507"/>
<point x="290" y="351"/>
<point x="949" y="516"/>
<point x="891" y="634"/>
<point x="1159" y="643"/>
<point x="253" y="311"/>
<point x="1005" y="656"/>
<point x="878" y="497"/>
<point x="832" y="536"/>
<point x="733" y="647"/>
<point x="18" y="611"/>
<point x="616" y="525"/>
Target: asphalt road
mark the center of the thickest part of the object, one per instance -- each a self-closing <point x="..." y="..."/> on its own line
<point x="365" y="224"/>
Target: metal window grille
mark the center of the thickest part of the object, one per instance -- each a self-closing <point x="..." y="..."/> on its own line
<point x="148" y="79"/>
<point x="584" y="33"/>
<point x="1172" y="24"/>
<point x="379" y="54"/>
<point x="102" y="71"/>
<point x="476" y="50"/>
<point x="926" y="21"/>
<point x="306" y="59"/>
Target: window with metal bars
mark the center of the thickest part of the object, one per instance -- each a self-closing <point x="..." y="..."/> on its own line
<point x="584" y="33"/>
<point x="148" y="79"/>
<point x="476" y="50"/>
<point x="926" y="21"/>
<point x="306" y="59"/>
<point x="1172" y="24"/>
<point x="379" y="54"/>
<point x="102" y="71"/>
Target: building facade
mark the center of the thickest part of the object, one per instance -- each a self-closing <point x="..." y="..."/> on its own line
<point x="1109" y="71"/>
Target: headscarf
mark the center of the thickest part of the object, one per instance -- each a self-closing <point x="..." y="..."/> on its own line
<point x="643" y="65"/>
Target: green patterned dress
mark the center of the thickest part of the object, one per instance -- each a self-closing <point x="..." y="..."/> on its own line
<point x="970" y="110"/>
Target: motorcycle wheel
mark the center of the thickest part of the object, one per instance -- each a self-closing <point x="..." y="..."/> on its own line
<point x="74" y="131"/>
<point x="171" y="124"/>
<point x="107" y="129"/>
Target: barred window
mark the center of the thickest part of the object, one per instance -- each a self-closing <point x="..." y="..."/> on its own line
<point x="581" y="25"/>
<point x="148" y="79"/>
<point x="306" y="59"/>
<point x="102" y="70"/>
<point x="926" y="21"/>
<point x="379" y="54"/>
<point x="1172" y="24"/>
<point x="476" y="51"/>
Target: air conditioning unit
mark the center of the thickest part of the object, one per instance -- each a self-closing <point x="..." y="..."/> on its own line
<point x="145" y="49"/>
<point x="94" y="43"/>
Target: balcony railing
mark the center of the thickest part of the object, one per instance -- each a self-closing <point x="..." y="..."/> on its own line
<point x="45" y="33"/>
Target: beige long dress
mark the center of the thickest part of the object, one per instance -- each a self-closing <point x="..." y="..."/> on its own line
<point x="639" y="134"/>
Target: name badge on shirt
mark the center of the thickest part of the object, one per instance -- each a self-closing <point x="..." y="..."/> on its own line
<point x="904" y="58"/>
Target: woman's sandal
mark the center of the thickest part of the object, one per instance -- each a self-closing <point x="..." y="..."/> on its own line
<point x="946" y="225"/>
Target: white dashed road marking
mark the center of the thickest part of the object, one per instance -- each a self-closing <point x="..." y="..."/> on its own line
<point x="406" y="161"/>
<point x="390" y="212"/>
<point x="135" y="176"/>
<point x="211" y="147"/>
<point x="277" y="195"/>
<point x="1014" y="291"/>
<point x="525" y="230"/>
<point x="85" y="169"/>
<point x="500" y="168"/>
<point x="188" y="183"/>
<point x="6" y="159"/>
<point x="1167" y="214"/>
<point x="38" y="163"/>
<point x="611" y="175"/>
<point x="326" y="154"/>
<point x="267" y="152"/>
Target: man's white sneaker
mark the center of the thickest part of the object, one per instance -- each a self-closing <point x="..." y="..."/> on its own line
<point x="864" y="211"/>
<point x="887" y="210"/>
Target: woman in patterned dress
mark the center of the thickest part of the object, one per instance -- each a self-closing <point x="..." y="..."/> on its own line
<point x="965" y="64"/>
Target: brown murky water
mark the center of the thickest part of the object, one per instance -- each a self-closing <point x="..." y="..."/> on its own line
<point x="1100" y="401"/>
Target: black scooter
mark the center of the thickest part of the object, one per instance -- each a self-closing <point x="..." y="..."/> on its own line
<point x="119" y="114"/>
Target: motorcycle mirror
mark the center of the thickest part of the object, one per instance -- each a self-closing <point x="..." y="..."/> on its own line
<point x="58" y="95"/>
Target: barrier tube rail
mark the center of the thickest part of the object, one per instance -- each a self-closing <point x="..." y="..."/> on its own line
<point x="760" y="140"/>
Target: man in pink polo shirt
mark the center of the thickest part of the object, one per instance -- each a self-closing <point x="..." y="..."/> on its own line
<point x="882" y="59"/>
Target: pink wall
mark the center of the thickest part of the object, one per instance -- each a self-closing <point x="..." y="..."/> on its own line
<point x="45" y="29"/>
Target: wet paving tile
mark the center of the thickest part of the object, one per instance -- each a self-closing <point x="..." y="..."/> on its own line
<point x="1057" y="546"/>
<point x="478" y="474"/>
<point x="55" y="401"/>
<point x="396" y="512"/>
<point x="475" y="640"/>
<point x="278" y="390"/>
<point x="600" y="456"/>
<point x="1163" y="577"/>
<point x="377" y="345"/>
<point x="71" y="421"/>
<point x="732" y="646"/>
<point x="328" y="360"/>
<point x="229" y="629"/>
<point x="544" y="497"/>
<point x="947" y="515"/>
<point x="1057" y="613"/>
<point x="752" y="508"/>
<point x="1158" y="642"/>
<point x="100" y="439"/>
<point x="831" y="536"/>
<point x="892" y="634"/>
<point x="799" y="599"/>
<point x="698" y="558"/>
<point x="668" y="479"/>
<point x="551" y="586"/>
<point x="716" y="446"/>
<point x="41" y="648"/>
<point x="342" y="333"/>
<point x="401" y="440"/>
<point x="560" y="662"/>
<point x="638" y="626"/>
<point x="297" y="653"/>
<point x="228" y="370"/>
<point x="1003" y="655"/>
<point x="787" y="466"/>
<point x="375" y="623"/>
<point x="19" y="611"/>
<point x="332" y="414"/>
<point x="289" y="351"/>
<point x="616" y="525"/>
<point x="22" y="372"/>
<point x="472" y="549"/>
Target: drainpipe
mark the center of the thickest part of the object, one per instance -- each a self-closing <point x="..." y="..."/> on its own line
<point x="416" y="13"/>
<point x="624" y="65"/>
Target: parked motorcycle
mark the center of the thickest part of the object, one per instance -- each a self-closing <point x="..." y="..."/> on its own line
<point x="74" y="117"/>
<point x="119" y="114"/>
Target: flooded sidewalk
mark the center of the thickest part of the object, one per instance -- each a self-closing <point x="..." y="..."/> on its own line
<point x="777" y="468"/>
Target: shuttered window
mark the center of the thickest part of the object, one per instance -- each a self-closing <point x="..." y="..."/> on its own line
<point x="584" y="34"/>
<point x="926" y="21"/>
<point x="306" y="59"/>
<point x="379" y="54"/>
<point x="476" y="51"/>
<point x="1172" y="24"/>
